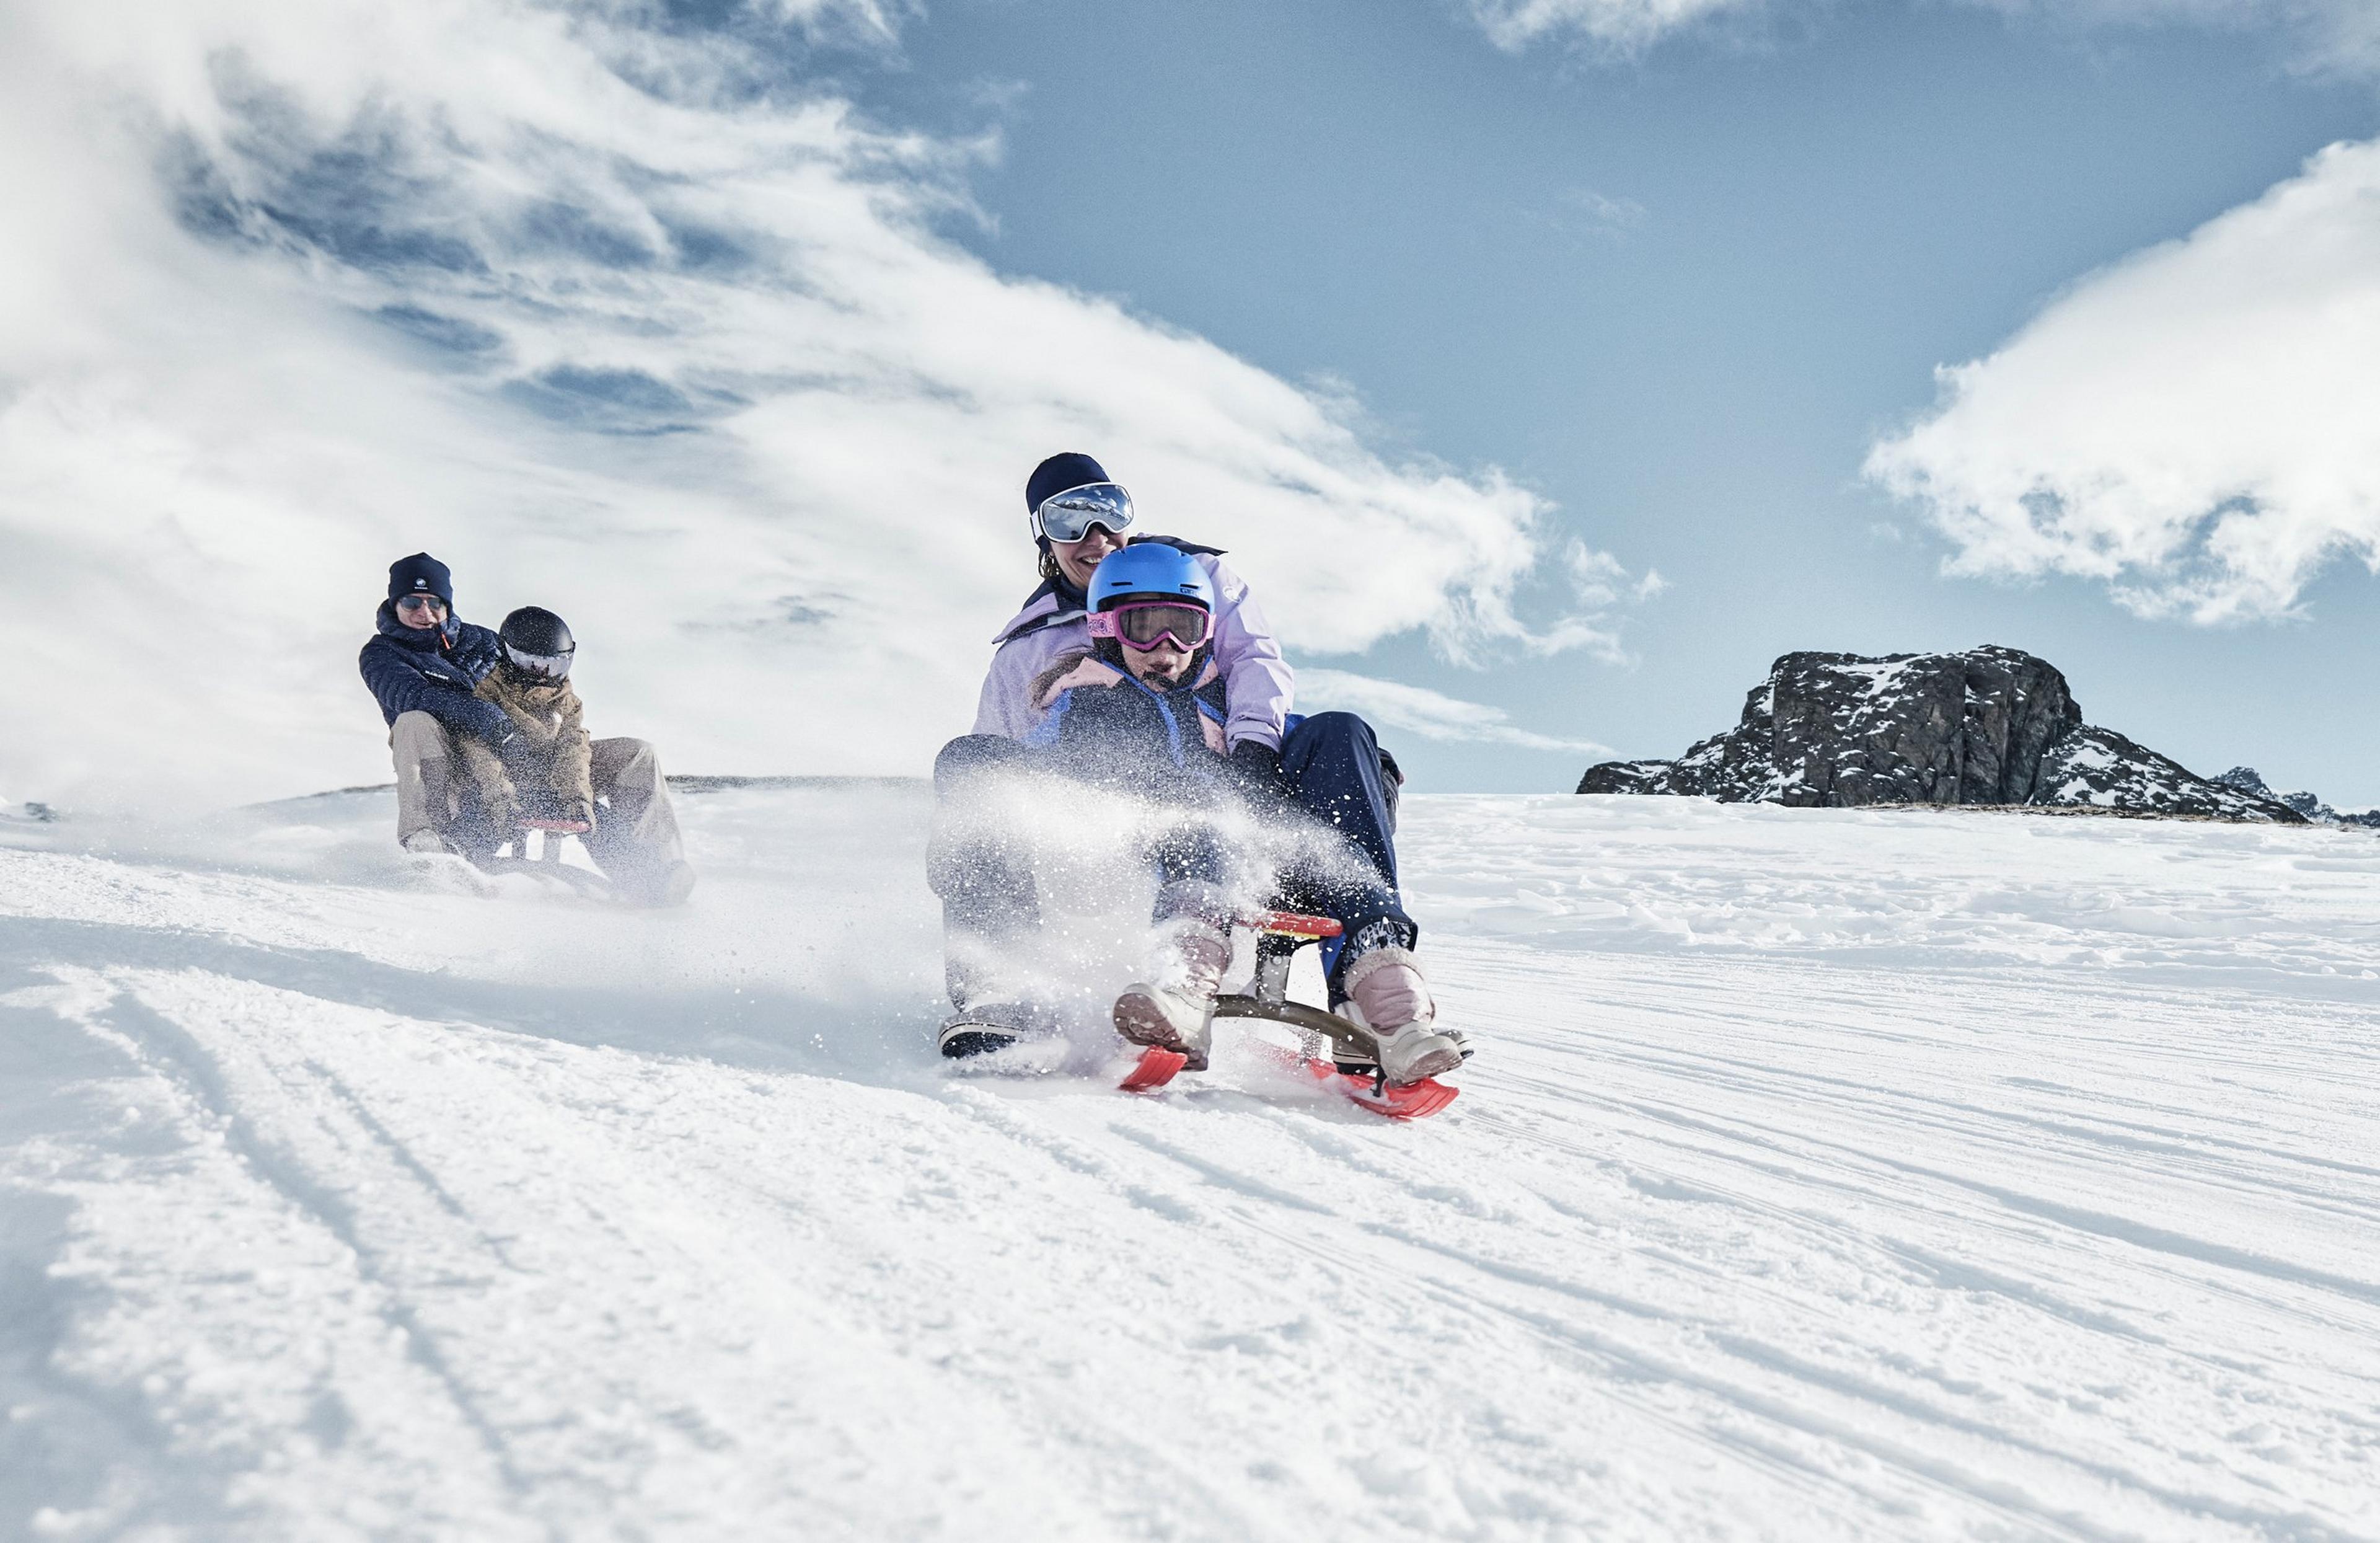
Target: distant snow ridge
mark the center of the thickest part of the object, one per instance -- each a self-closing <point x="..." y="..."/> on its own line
<point x="1988" y="725"/>
<point x="2246" y="780"/>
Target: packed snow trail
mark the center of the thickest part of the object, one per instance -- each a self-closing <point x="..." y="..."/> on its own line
<point x="1823" y="1174"/>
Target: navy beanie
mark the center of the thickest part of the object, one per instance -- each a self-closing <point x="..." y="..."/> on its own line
<point x="421" y="574"/>
<point x="1057" y="474"/>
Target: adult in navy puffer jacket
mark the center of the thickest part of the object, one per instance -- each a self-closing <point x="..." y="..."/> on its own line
<point x="431" y="669"/>
<point x="423" y="667"/>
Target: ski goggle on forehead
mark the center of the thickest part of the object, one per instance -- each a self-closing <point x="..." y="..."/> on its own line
<point x="1145" y="624"/>
<point x="1069" y="515"/>
<point x="547" y="666"/>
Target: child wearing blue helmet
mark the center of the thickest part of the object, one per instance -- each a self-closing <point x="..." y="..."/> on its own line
<point x="1144" y="710"/>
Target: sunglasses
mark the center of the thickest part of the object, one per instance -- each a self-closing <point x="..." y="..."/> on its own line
<point x="1069" y="515"/>
<point x="1142" y="625"/>
<point x="431" y="603"/>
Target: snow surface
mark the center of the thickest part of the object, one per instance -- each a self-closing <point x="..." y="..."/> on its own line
<point x="1823" y="1174"/>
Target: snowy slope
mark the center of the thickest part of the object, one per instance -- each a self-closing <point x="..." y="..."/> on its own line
<point x="1823" y="1174"/>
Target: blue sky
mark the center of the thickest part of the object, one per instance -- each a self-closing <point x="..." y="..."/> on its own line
<point x="1550" y="365"/>
<point x="1677" y="293"/>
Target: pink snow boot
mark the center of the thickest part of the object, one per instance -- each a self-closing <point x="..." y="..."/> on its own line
<point x="1177" y="1013"/>
<point x="1387" y="995"/>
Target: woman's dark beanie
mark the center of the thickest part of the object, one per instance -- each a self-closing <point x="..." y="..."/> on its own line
<point x="1054" y="476"/>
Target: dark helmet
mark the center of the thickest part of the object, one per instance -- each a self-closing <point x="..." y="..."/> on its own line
<point x="538" y="642"/>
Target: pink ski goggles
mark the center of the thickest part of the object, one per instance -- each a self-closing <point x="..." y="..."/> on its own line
<point x="1144" y="623"/>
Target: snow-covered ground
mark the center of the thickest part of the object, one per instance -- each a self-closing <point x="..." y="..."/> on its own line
<point x="1822" y="1174"/>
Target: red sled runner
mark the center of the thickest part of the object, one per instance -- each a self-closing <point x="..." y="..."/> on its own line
<point x="1280" y="935"/>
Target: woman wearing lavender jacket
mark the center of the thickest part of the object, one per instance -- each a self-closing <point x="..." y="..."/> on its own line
<point x="1078" y="518"/>
<point x="1326" y="767"/>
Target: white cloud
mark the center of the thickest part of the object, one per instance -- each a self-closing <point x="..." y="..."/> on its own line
<point x="291" y="288"/>
<point x="1621" y="24"/>
<point x="2333" y="35"/>
<point x="2194" y="425"/>
<point x="1599" y="584"/>
<point x="1600" y="581"/>
<point x="1431" y="714"/>
<point x="1582" y="214"/>
<point x="2341" y="35"/>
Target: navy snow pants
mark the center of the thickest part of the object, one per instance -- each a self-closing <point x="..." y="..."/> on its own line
<point x="1343" y="780"/>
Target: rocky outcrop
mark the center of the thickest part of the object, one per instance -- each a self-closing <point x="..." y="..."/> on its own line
<point x="2315" y="811"/>
<point x="2100" y="769"/>
<point x="1989" y="725"/>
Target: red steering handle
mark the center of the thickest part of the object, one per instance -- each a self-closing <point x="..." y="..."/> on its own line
<point x="1291" y="924"/>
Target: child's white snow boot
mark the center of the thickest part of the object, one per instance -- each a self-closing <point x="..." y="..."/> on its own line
<point x="1387" y="995"/>
<point x="1178" y="1011"/>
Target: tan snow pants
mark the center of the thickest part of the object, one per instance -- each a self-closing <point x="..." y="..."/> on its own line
<point x="636" y="833"/>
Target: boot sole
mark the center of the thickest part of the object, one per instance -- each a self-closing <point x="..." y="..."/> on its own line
<point x="962" y="1043"/>
<point x="1431" y="1064"/>
<point x="1140" y="1020"/>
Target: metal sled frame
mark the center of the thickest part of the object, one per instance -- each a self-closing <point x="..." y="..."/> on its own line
<point x="548" y="864"/>
<point x="1279" y="934"/>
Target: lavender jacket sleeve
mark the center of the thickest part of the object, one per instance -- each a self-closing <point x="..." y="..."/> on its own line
<point x="1006" y="707"/>
<point x="1259" y="685"/>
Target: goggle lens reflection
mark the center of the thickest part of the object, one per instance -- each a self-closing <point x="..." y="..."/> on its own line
<point x="1069" y="515"/>
<point x="551" y="666"/>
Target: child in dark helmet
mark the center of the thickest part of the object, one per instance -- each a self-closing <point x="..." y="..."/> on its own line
<point x="544" y="774"/>
<point x="549" y="774"/>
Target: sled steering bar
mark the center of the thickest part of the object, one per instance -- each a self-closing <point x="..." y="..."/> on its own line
<point x="1291" y="924"/>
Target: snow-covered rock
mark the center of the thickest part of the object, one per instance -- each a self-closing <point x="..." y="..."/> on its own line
<point x="1988" y="725"/>
<point x="2247" y="780"/>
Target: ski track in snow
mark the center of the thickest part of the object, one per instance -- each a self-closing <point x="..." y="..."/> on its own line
<point x="1823" y="1174"/>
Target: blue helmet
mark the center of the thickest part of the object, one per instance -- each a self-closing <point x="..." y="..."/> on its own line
<point x="1149" y="570"/>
